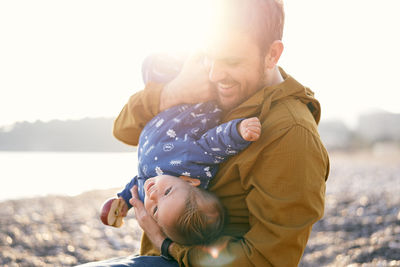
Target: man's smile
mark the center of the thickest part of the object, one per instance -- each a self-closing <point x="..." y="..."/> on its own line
<point x="226" y="90"/>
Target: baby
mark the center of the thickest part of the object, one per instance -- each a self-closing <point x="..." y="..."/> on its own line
<point x="184" y="141"/>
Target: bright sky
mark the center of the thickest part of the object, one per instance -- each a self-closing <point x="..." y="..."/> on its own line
<point x="81" y="58"/>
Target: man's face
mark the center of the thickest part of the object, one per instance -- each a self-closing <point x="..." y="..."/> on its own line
<point x="236" y="68"/>
<point x="165" y="198"/>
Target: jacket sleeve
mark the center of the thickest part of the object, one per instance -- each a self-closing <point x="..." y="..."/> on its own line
<point x="286" y="196"/>
<point x="140" y="109"/>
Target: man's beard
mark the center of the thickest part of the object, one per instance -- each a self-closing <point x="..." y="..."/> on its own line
<point x="260" y="84"/>
<point x="263" y="75"/>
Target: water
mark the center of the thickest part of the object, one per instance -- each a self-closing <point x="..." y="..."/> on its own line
<point x="30" y="174"/>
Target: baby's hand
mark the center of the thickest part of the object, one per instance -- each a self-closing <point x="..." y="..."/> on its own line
<point x="250" y="129"/>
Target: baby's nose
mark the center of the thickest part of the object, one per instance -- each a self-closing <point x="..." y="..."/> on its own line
<point x="154" y="195"/>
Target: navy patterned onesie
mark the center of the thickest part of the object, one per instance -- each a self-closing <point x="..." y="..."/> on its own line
<point x="183" y="140"/>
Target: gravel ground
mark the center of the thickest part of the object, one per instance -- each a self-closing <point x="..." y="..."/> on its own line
<point x="361" y="226"/>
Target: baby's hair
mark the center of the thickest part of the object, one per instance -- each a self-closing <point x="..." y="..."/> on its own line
<point x="202" y="219"/>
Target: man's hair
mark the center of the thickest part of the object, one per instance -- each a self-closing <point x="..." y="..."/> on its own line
<point x="201" y="221"/>
<point x="264" y="19"/>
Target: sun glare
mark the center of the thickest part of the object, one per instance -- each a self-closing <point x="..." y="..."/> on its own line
<point x="176" y="25"/>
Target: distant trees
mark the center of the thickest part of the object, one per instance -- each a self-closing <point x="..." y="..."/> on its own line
<point x="71" y="135"/>
<point x="372" y="130"/>
<point x="96" y="134"/>
<point x="380" y="127"/>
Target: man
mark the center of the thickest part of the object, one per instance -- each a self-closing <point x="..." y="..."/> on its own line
<point x="274" y="190"/>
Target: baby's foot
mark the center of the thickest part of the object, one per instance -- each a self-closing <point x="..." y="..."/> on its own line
<point x="113" y="212"/>
<point x="250" y="129"/>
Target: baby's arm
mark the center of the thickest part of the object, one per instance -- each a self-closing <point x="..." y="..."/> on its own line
<point x="227" y="139"/>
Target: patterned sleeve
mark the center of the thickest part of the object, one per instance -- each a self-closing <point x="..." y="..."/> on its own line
<point x="218" y="144"/>
<point x="126" y="192"/>
<point x="199" y="157"/>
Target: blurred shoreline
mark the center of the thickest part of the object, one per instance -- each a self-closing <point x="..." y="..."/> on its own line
<point x="35" y="174"/>
<point x="361" y="225"/>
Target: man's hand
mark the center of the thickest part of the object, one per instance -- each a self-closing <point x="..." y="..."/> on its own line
<point x="190" y="86"/>
<point x="146" y="222"/>
<point x="250" y="129"/>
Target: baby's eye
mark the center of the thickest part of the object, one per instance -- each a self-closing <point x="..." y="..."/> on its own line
<point x="167" y="191"/>
<point x="155" y="210"/>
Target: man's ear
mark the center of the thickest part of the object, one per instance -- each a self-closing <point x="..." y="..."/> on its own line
<point x="191" y="181"/>
<point x="273" y="55"/>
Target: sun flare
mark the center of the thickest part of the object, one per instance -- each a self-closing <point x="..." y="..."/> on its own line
<point x="175" y="25"/>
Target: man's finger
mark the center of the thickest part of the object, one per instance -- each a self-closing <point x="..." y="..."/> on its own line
<point x="135" y="200"/>
<point x="132" y="201"/>
<point x="134" y="191"/>
<point x="137" y="206"/>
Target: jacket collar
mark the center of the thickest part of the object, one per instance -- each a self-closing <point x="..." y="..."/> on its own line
<point x="260" y="103"/>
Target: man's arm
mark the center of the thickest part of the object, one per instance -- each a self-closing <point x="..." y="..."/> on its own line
<point x="286" y="197"/>
<point x="139" y="110"/>
<point x="190" y="86"/>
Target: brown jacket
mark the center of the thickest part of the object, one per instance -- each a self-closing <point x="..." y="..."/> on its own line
<point x="273" y="191"/>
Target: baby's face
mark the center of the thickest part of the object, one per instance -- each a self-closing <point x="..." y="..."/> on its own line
<point x="165" y="198"/>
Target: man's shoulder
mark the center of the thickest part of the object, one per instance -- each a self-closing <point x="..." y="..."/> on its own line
<point x="288" y="113"/>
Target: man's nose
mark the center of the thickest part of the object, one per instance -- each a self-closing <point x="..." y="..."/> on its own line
<point x="217" y="72"/>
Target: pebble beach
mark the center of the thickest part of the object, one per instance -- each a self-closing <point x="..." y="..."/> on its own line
<point x="361" y="225"/>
